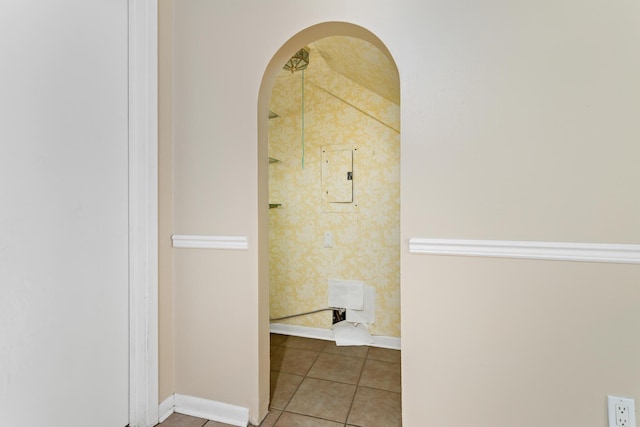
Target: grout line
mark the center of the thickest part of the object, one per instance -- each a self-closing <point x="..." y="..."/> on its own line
<point x="277" y="418"/>
<point x="292" y="395"/>
<point x="286" y="405"/>
<point x="364" y="362"/>
<point x="311" y="366"/>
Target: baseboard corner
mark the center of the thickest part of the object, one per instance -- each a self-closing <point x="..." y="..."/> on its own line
<point x="166" y="408"/>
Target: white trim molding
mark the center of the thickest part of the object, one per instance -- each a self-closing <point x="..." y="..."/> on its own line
<point x="301" y="331"/>
<point x="327" y="334"/>
<point x="210" y="242"/>
<point x="143" y="212"/>
<point x="211" y="410"/>
<point x="166" y="408"/>
<point x="558" y="251"/>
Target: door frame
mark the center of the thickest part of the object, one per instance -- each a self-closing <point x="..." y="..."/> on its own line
<point x="143" y="212"/>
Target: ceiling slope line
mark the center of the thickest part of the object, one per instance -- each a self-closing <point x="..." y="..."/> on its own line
<point x="307" y="80"/>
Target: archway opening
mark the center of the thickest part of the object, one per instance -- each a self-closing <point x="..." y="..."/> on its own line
<point x="346" y="105"/>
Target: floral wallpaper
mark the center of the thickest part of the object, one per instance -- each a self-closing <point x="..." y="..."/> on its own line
<point x="366" y="240"/>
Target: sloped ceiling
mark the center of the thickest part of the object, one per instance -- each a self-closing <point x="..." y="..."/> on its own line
<point x="345" y="68"/>
<point x="363" y="63"/>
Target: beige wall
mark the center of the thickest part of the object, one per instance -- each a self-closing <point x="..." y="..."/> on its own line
<point x="529" y="339"/>
<point x="519" y="121"/>
<point x="366" y="233"/>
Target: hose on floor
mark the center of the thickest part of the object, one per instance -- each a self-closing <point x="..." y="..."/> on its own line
<point x="302" y="314"/>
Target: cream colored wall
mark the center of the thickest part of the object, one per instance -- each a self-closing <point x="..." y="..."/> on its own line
<point x="166" y="344"/>
<point x="517" y="336"/>
<point x="519" y="121"/>
<point x="366" y="243"/>
<point x="217" y="353"/>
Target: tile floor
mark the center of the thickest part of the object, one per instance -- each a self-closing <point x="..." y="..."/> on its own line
<point x="314" y="383"/>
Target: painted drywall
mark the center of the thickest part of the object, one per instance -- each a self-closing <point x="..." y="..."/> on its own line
<point x="166" y="344"/>
<point x="64" y="259"/>
<point x="518" y="122"/>
<point x="522" y="332"/>
<point x="338" y="112"/>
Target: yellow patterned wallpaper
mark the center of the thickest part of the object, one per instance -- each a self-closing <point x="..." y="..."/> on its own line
<point x="366" y="244"/>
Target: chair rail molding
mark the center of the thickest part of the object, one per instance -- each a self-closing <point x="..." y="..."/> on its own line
<point x="210" y="242"/>
<point x="558" y="251"/>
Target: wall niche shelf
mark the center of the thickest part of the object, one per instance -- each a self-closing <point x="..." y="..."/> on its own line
<point x="274" y="205"/>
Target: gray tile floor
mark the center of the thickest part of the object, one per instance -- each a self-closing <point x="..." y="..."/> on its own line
<point x="314" y="383"/>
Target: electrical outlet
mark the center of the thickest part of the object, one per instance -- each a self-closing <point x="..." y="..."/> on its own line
<point x="622" y="412"/>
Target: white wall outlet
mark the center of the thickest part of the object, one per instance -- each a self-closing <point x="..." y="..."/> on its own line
<point x="328" y="239"/>
<point x="622" y="412"/>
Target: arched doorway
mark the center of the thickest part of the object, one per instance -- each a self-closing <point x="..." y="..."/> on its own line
<point x="367" y="152"/>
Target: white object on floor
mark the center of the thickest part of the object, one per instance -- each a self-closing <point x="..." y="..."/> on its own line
<point x="346" y="294"/>
<point x="393" y="343"/>
<point x="368" y="313"/>
<point x="347" y="333"/>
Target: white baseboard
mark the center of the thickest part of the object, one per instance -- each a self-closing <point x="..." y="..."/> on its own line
<point x="301" y="331"/>
<point x="327" y="334"/>
<point x="212" y="410"/>
<point x="166" y="408"/>
<point x="204" y="408"/>
<point x="386" y="342"/>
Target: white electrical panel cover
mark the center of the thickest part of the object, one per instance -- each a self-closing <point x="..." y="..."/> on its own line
<point x="338" y="178"/>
